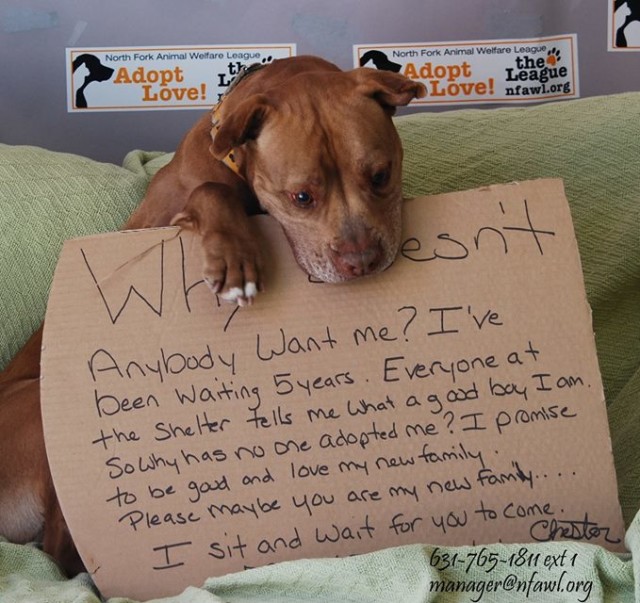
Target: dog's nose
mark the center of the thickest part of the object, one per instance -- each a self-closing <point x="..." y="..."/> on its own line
<point x="353" y="261"/>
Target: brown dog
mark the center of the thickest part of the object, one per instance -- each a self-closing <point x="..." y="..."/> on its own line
<point x="313" y="146"/>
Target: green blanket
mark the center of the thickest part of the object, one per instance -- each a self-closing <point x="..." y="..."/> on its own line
<point x="593" y="144"/>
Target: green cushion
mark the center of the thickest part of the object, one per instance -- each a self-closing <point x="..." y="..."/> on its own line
<point x="45" y="198"/>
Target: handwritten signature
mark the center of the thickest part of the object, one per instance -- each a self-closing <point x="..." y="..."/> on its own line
<point x="547" y="530"/>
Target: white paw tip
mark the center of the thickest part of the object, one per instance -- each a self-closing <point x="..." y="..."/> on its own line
<point x="233" y="294"/>
<point x="250" y="289"/>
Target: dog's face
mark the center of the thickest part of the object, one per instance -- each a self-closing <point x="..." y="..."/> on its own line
<point x="324" y="159"/>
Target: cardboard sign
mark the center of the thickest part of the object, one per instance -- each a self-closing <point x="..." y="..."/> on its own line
<point x="453" y="399"/>
<point x="489" y="71"/>
<point x="143" y="78"/>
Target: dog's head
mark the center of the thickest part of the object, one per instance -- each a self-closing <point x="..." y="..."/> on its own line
<point x="323" y="158"/>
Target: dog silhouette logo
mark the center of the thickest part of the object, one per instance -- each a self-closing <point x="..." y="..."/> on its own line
<point x="96" y="72"/>
<point x="380" y="60"/>
<point x="626" y="12"/>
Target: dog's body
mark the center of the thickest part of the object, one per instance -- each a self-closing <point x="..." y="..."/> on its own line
<point x="313" y="146"/>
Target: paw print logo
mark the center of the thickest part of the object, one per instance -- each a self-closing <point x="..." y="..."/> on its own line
<point x="553" y="56"/>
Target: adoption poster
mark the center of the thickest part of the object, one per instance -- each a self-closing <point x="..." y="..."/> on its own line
<point x="143" y="78"/>
<point x="489" y="71"/>
<point x="624" y="25"/>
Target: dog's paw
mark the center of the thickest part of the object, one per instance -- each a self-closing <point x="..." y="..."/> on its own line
<point x="243" y="296"/>
<point x="232" y="268"/>
<point x="232" y="260"/>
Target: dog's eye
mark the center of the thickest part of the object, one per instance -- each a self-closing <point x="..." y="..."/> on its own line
<point x="302" y="199"/>
<point x="380" y="178"/>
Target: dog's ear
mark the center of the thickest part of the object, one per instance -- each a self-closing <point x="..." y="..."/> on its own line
<point x="390" y="89"/>
<point x="242" y="124"/>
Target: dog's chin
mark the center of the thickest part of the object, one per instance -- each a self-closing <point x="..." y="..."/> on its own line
<point x="322" y="269"/>
<point x="318" y="263"/>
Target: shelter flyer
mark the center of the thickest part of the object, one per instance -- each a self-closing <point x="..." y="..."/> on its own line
<point x="487" y="71"/>
<point x="145" y="77"/>
<point x="453" y="399"/>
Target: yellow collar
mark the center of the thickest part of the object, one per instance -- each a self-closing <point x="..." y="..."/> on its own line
<point x="229" y="160"/>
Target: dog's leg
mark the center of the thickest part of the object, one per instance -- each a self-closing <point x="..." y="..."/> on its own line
<point x="165" y="196"/>
<point x="26" y="363"/>
<point x="197" y="192"/>
<point x="30" y="509"/>
<point x="57" y="540"/>
<point x="24" y="469"/>
<point x="232" y="263"/>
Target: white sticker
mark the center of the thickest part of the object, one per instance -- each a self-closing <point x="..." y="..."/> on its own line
<point x="143" y="78"/>
<point x="624" y="25"/>
<point x="490" y="71"/>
